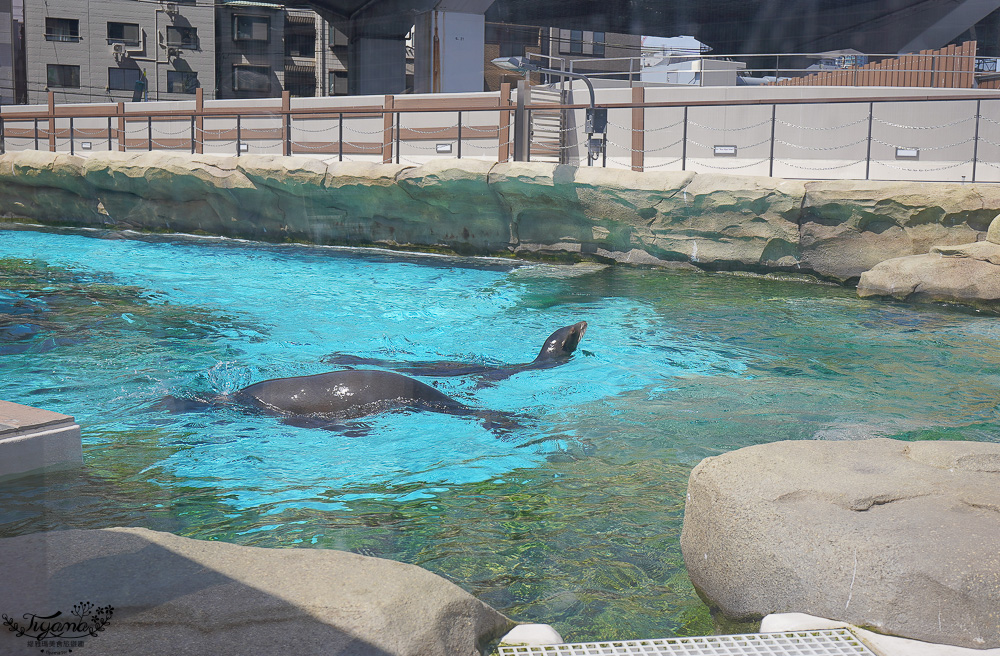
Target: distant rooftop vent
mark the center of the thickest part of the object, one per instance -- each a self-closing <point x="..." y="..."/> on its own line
<point x="302" y="19"/>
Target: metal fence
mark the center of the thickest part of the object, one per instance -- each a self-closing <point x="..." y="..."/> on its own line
<point x="928" y="138"/>
<point x="793" y="132"/>
<point x="396" y="129"/>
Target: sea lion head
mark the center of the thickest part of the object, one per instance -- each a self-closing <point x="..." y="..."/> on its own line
<point x="562" y="343"/>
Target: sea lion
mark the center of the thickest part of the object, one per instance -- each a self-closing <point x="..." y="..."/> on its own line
<point x="557" y="349"/>
<point x="336" y="396"/>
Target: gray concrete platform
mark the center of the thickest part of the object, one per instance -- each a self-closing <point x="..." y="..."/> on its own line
<point x="32" y="439"/>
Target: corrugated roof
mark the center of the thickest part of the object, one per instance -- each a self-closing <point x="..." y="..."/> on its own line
<point x="251" y="3"/>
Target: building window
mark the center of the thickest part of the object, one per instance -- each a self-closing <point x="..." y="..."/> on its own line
<point x="301" y="84"/>
<point x="127" y="33"/>
<point x="513" y="40"/>
<point x="251" y="28"/>
<point x="182" y="82"/>
<point x="599" y="44"/>
<point x="576" y="42"/>
<point x="338" y="83"/>
<point x="300" y="45"/>
<point x="62" y="29"/>
<point x="63" y="75"/>
<point x="251" y="78"/>
<point x="182" y="37"/>
<point x="123" y="79"/>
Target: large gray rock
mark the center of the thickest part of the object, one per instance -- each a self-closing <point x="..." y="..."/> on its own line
<point x="848" y="226"/>
<point x="173" y="596"/>
<point x="901" y="537"/>
<point x="968" y="274"/>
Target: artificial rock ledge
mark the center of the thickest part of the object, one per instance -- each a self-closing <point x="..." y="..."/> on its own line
<point x="966" y="274"/>
<point x="898" y="537"/>
<point x="835" y="229"/>
<point x="170" y="595"/>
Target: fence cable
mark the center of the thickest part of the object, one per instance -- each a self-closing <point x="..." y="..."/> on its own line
<point x="891" y="145"/>
<point x="725" y="168"/>
<point x="821" y="129"/>
<point x="820" y="148"/>
<point x="819" y="168"/>
<point x="922" y="169"/>
<point x="727" y="129"/>
<point x="924" y="127"/>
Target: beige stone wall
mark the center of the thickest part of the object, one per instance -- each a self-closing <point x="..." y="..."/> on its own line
<point x="834" y="229"/>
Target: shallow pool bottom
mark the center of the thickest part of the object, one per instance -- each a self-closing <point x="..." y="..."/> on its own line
<point x="574" y="521"/>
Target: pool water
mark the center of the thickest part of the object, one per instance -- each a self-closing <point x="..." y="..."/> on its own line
<point x="572" y="519"/>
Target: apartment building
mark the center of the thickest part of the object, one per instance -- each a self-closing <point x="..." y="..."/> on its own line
<point x="264" y="48"/>
<point x="114" y="50"/>
<point x="9" y="28"/>
<point x="250" y="49"/>
<point x="117" y="50"/>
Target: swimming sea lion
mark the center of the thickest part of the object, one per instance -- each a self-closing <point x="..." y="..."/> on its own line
<point x="556" y="350"/>
<point x="354" y="393"/>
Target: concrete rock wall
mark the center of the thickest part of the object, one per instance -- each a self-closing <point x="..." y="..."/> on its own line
<point x="835" y="229"/>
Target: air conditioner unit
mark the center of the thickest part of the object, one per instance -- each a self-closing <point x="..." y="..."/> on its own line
<point x="118" y="48"/>
<point x="171" y="8"/>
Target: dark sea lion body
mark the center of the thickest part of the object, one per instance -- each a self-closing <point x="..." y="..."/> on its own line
<point x="347" y="395"/>
<point x="557" y="349"/>
<point x="325" y="400"/>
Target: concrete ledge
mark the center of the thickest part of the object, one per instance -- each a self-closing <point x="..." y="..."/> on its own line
<point x="33" y="439"/>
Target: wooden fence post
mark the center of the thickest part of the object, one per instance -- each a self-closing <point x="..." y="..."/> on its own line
<point x="286" y="117"/>
<point x="199" y="120"/>
<point x="52" y="121"/>
<point x="503" y="155"/>
<point x="120" y="110"/>
<point x="387" y="123"/>
<point x="638" y="129"/>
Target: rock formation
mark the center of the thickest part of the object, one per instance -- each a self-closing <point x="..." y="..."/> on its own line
<point x="900" y="537"/>
<point x="171" y="595"/>
<point x="967" y="274"/>
<point x="836" y="230"/>
<point x="849" y="226"/>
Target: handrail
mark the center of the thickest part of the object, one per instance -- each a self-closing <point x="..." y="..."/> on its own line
<point x="955" y="143"/>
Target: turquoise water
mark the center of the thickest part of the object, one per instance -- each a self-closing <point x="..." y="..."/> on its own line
<point x="573" y="519"/>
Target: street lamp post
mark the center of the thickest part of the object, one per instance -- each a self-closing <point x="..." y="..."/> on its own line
<point x="597" y="118"/>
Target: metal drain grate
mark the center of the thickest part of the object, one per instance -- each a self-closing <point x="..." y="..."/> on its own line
<point x="827" y="642"/>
